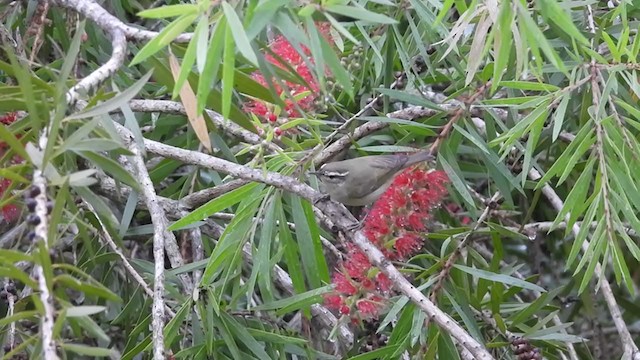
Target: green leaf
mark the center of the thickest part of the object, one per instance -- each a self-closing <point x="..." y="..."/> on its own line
<point x="213" y="206"/>
<point x="529" y="311"/>
<point x="7" y="137"/>
<point x="529" y="86"/>
<point x="89" y="289"/>
<point x="360" y="13"/>
<point x="274" y="337"/>
<point x="235" y="235"/>
<point x="84" y="310"/>
<point x="475" y="140"/>
<point x="241" y="334"/>
<point x="228" y="67"/>
<point x="341" y="75"/>
<point x="556" y="14"/>
<point x="295" y="302"/>
<point x="88" y="350"/>
<point x="173" y="327"/>
<point x="13" y="256"/>
<point x="167" y="35"/>
<point x="426" y="129"/>
<point x="620" y="267"/>
<point x="456" y="180"/>
<point x="112" y="167"/>
<point x="169" y="11"/>
<point x="237" y="30"/>
<point x="501" y="278"/>
<point x="95" y="145"/>
<point x="59" y="206"/>
<point x="190" y="56"/>
<point x="12" y="272"/>
<point x="209" y="75"/>
<point x="559" y="115"/>
<point x="537" y="38"/>
<point x="115" y="102"/>
<point x="380" y="353"/>
<point x="409" y="98"/>
<point x="571" y="153"/>
<point x="308" y="239"/>
<point x="291" y="254"/>
<point x="503" y="41"/>
<point x="22" y="315"/>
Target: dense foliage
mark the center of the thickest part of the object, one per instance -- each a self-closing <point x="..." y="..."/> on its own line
<point x="155" y="198"/>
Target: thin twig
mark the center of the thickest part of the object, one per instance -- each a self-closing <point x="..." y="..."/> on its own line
<point x="46" y="297"/>
<point x="160" y="234"/>
<point x="106" y="237"/>
<point x="92" y="10"/>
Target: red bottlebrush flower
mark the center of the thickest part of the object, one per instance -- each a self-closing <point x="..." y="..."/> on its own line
<point x="367" y="309"/>
<point x="394" y="224"/>
<point x="344" y="310"/>
<point x="358" y="264"/>
<point x="9" y="212"/>
<point x="407" y="244"/>
<point x="368" y="284"/>
<point x="403" y="209"/>
<point x="333" y="301"/>
<point x="384" y="283"/>
<point x="272" y="118"/>
<point x="344" y="285"/>
<point x="302" y="96"/>
<point x="277" y="131"/>
<point x="8" y="118"/>
<point x="415" y="220"/>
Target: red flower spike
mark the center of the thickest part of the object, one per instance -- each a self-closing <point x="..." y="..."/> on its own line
<point x="394" y="224"/>
<point x="367" y="309"/>
<point x="287" y="54"/>
<point x="415" y="220"/>
<point x="343" y="285"/>
<point x="333" y="301"/>
<point x="8" y="118"/>
<point x="368" y="284"/>
<point x="407" y="245"/>
<point x="384" y="283"/>
<point x="10" y="213"/>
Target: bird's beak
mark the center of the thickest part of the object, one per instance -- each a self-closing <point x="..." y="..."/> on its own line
<point x="313" y="173"/>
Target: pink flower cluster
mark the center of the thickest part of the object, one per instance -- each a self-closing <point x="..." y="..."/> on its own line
<point x="396" y="224"/>
<point x="301" y="95"/>
<point x="9" y="212"/>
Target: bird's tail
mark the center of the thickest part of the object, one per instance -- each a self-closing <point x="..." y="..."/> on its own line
<point x="419" y="157"/>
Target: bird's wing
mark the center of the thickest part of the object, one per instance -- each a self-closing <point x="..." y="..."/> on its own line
<point x="383" y="168"/>
<point x="390" y="163"/>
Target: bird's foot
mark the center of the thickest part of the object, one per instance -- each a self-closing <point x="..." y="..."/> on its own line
<point x="355" y="226"/>
<point x="321" y="198"/>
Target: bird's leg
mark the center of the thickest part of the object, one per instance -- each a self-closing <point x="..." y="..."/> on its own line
<point x="355" y="226"/>
<point x="321" y="198"/>
<point x="360" y="223"/>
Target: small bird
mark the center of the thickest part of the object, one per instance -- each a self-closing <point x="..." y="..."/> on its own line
<point x="361" y="181"/>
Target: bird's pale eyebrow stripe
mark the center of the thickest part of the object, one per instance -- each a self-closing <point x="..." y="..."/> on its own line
<point x="338" y="174"/>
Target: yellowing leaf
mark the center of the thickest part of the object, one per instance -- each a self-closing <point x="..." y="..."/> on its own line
<point x="189" y="101"/>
